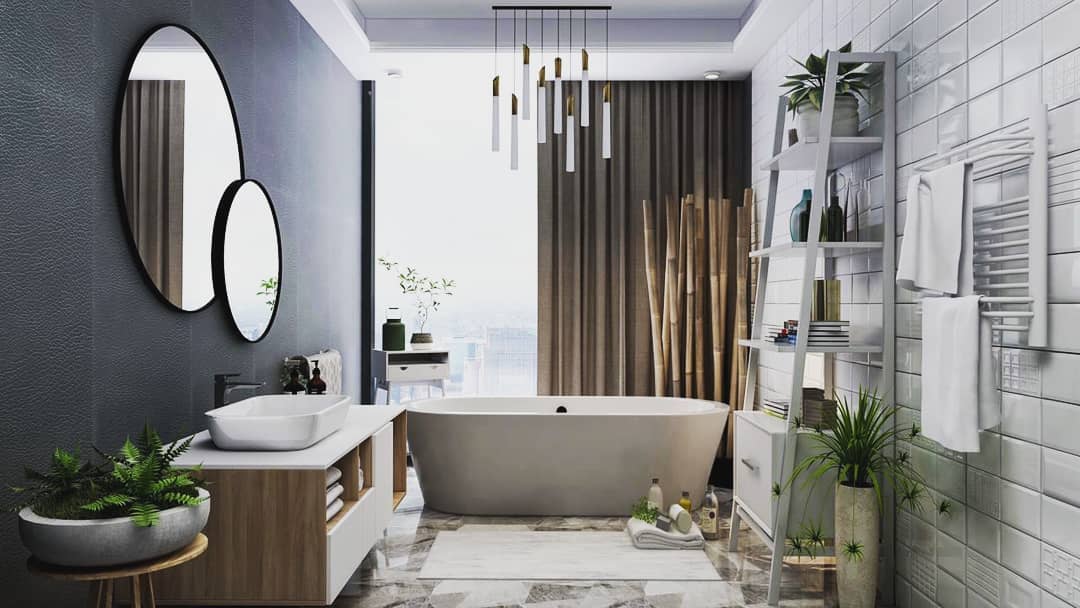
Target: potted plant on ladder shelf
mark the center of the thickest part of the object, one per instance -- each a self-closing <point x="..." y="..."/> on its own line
<point x="806" y="94"/>
<point x="858" y="448"/>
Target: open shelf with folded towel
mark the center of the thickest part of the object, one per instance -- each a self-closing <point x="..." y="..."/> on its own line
<point x="1010" y="235"/>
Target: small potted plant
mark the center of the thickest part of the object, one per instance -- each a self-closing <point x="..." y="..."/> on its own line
<point x="857" y="449"/>
<point x="806" y="92"/>
<point x="427" y="295"/>
<point x="134" y="506"/>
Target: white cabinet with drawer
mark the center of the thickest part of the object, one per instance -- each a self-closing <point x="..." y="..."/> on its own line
<point x="759" y="456"/>
<point x="429" y="368"/>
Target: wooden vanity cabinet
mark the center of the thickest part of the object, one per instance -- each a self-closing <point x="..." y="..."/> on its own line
<point x="270" y="542"/>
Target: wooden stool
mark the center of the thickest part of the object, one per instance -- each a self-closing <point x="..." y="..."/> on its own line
<point x="101" y="589"/>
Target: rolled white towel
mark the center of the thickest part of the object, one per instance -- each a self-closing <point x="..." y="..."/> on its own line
<point x="333" y="493"/>
<point x="333" y="509"/>
<point x="361" y="483"/>
<point x="648" y="536"/>
<point x="333" y="474"/>
<point x="680" y="518"/>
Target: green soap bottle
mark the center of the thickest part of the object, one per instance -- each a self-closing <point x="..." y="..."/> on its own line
<point x="393" y="330"/>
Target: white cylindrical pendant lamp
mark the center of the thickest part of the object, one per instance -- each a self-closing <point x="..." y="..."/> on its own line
<point x="495" y="114"/>
<point x="570" y="134"/>
<point x="584" y="118"/>
<point x="513" y="132"/>
<point x="605" y="128"/>
<point x="541" y="107"/>
<point x="526" y="82"/>
<point x="558" y="106"/>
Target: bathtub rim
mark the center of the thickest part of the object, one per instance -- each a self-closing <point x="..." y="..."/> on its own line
<point x="718" y="407"/>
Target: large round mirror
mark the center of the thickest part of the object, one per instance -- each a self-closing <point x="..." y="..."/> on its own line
<point x="178" y="148"/>
<point x="247" y="257"/>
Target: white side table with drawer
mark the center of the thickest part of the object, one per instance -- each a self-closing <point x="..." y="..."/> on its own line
<point x="429" y="368"/>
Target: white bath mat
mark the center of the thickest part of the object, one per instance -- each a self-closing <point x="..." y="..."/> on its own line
<point x="579" y="555"/>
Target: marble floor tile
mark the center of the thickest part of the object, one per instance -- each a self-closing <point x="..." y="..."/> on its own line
<point x="388" y="577"/>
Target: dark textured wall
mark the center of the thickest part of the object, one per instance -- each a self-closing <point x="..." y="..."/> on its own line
<point x="87" y="351"/>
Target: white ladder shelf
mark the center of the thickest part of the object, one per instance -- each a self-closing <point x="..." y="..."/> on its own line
<point x="821" y="157"/>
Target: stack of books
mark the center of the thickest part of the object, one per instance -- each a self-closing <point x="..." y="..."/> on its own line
<point x="774" y="405"/>
<point x="830" y="333"/>
<point x="818" y="412"/>
<point x="785" y="333"/>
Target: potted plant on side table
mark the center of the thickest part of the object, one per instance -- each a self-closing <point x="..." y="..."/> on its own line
<point x="858" y="449"/>
<point x="427" y="295"/>
<point x="806" y="92"/>
<point x="135" y="506"/>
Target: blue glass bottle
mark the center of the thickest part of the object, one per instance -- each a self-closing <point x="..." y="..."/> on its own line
<point x="800" y="218"/>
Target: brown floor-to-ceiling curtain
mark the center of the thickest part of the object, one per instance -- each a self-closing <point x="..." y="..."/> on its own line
<point x="152" y="166"/>
<point x="669" y="139"/>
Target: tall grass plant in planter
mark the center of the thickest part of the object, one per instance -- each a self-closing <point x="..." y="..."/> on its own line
<point x="806" y="94"/>
<point x="859" y="448"/>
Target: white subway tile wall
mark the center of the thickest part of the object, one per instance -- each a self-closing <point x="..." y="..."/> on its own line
<point x="967" y="68"/>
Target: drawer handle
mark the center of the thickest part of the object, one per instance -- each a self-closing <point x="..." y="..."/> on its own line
<point x="404" y="368"/>
<point x="749" y="465"/>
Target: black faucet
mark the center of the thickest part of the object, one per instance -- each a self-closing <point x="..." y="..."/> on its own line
<point x="223" y="386"/>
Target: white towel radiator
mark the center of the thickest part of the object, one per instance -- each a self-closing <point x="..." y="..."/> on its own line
<point x="1010" y="238"/>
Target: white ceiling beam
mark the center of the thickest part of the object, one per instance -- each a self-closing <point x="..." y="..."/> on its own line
<point x="341" y="26"/>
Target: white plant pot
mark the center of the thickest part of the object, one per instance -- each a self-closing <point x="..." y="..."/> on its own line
<point x="858" y="520"/>
<point x="96" y="543"/>
<point x="845" y="119"/>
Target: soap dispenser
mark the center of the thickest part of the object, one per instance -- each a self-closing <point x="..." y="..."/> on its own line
<point x="316" y="386"/>
<point x="294" y="385"/>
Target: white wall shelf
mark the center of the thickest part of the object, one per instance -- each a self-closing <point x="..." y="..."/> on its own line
<point x="833" y="250"/>
<point x="803" y="155"/>
<point x="810" y="348"/>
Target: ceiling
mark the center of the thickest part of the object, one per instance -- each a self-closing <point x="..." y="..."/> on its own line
<point x="649" y="39"/>
<point x="621" y="9"/>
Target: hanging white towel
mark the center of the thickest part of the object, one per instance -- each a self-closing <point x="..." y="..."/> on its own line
<point x="959" y="383"/>
<point x="930" y="255"/>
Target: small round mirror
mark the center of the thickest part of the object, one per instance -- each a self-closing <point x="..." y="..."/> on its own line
<point x="178" y="147"/>
<point x="247" y="257"/>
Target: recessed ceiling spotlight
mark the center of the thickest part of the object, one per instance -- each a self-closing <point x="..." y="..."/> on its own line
<point x="393" y="73"/>
<point x="712" y="75"/>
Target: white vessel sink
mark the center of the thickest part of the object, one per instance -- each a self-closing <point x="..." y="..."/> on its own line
<point x="277" y="422"/>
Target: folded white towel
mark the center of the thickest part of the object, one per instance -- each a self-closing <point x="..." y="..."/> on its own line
<point x="930" y="256"/>
<point x="361" y="477"/>
<point x="333" y="509"/>
<point x="333" y="492"/>
<point x="333" y="474"/>
<point x="648" y="536"/>
<point x="959" y="379"/>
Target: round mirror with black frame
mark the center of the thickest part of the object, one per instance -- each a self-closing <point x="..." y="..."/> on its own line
<point x="246" y="258"/>
<point x="177" y="146"/>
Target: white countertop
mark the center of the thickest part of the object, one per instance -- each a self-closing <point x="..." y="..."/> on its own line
<point x="362" y="422"/>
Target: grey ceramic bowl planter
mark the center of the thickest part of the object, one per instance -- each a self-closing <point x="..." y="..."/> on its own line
<point x="422" y="341"/>
<point x="96" y="543"/>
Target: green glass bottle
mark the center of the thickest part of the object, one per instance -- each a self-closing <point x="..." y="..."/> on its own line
<point x="393" y="330"/>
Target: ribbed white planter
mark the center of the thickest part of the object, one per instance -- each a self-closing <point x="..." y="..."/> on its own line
<point x="845" y="119"/>
<point x="858" y="519"/>
<point x="95" y="543"/>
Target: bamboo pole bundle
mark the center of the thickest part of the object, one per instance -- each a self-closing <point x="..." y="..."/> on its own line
<point x="691" y="282"/>
<point x="717" y="307"/>
<point x="743" y="280"/>
<point x="678" y="297"/>
<point x="653" y="286"/>
<point x="668" y="338"/>
<point x="700" y="264"/>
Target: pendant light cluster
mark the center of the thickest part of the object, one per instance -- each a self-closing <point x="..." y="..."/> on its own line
<point x="569" y="110"/>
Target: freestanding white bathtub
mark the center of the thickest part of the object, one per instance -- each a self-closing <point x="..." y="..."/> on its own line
<point x="526" y="456"/>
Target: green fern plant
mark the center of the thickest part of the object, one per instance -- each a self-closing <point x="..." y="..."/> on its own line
<point x="60" y="491"/>
<point x="644" y="511"/>
<point x="143" y="481"/>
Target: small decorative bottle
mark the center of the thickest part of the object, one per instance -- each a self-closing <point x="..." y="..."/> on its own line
<point x="656" y="495"/>
<point x="710" y="516"/>
<point x="316" y="386"/>
<point x="684" y="502"/>
<point x="836" y="221"/>
<point x="393" y="331"/>
<point x="295" y="386"/>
